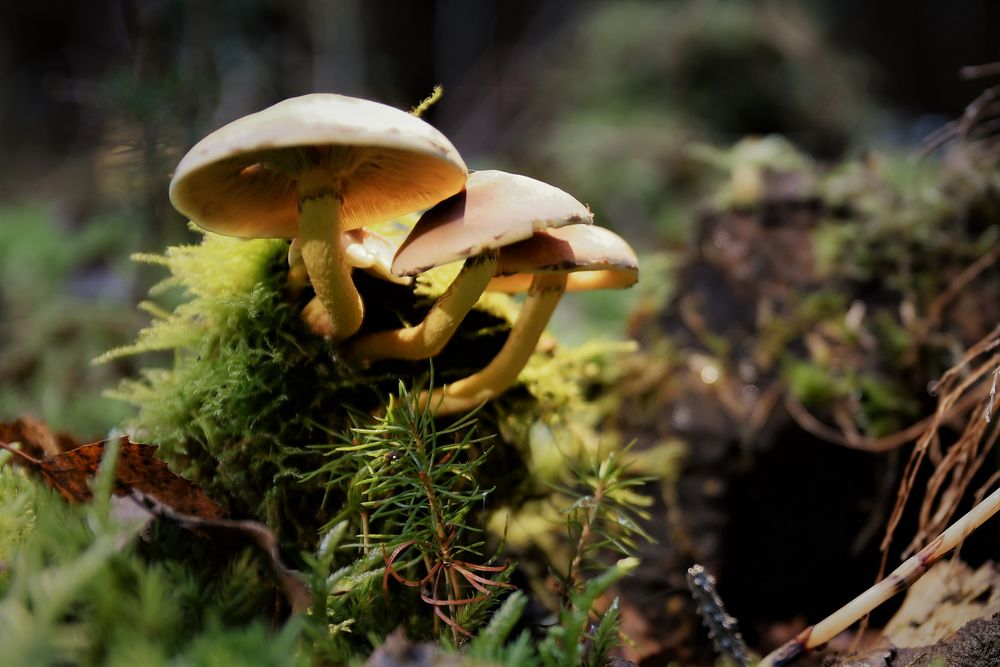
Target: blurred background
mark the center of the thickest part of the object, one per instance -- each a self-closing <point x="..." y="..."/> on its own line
<point x="640" y="109"/>
<point x="604" y="99"/>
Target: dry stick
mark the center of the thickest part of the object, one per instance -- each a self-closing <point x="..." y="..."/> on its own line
<point x="962" y="126"/>
<point x="955" y="287"/>
<point x="979" y="71"/>
<point x="988" y="412"/>
<point x="810" y="423"/>
<point x="945" y="406"/>
<point x="959" y="466"/>
<point x="899" y="580"/>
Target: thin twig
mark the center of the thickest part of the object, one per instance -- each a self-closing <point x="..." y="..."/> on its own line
<point x="979" y="71"/>
<point x="961" y="127"/>
<point x="988" y="412"/>
<point x="808" y="422"/>
<point x="900" y="579"/>
<point x="955" y="287"/>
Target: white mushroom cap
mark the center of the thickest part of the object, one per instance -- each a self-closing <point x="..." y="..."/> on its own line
<point x="496" y="209"/>
<point x="363" y="249"/>
<point x="384" y="162"/>
<point x="377" y="252"/>
<point x="594" y="257"/>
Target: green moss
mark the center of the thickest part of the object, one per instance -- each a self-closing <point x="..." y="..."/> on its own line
<point x="76" y="589"/>
<point x="900" y="219"/>
<point x="885" y="405"/>
<point x="242" y="388"/>
<point x="17" y="517"/>
<point x="804" y="313"/>
<point x="276" y="425"/>
<point x="250" y="392"/>
<point x="811" y="384"/>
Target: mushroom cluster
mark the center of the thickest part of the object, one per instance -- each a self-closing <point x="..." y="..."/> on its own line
<point x="319" y="168"/>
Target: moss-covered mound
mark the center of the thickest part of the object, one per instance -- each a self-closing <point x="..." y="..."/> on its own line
<point x="381" y="507"/>
<point x="250" y="401"/>
<point x="250" y="391"/>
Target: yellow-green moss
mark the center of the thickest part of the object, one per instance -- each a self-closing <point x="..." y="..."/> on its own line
<point x="249" y="390"/>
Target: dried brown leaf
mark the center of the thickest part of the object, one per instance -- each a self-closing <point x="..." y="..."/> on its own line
<point x="71" y="473"/>
<point x="35" y="437"/>
<point x="147" y="485"/>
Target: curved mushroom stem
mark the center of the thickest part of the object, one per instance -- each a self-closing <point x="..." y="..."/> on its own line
<point x="313" y="313"/>
<point x="297" y="280"/>
<point x="502" y="372"/>
<point x="323" y="253"/>
<point x="427" y="339"/>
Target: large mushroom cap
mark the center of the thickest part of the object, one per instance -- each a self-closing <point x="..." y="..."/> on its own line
<point x="239" y="180"/>
<point x="594" y="257"/>
<point x="496" y="209"/>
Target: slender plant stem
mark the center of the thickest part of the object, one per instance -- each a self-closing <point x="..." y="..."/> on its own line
<point x="365" y="531"/>
<point x="581" y="543"/>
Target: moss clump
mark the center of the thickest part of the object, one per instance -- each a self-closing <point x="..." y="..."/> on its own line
<point x="365" y="492"/>
<point x="839" y="282"/>
<point x="250" y="393"/>
<point x="249" y="390"/>
<point x="75" y="589"/>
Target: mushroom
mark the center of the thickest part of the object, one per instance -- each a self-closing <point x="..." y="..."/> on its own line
<point x="363" y="249"/>
<point x="312" y="167"/>
<point x="496" y="209"/>
<point x="550" y="260"/>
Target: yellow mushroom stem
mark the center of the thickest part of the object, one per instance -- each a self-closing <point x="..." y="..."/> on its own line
<point x="502" y="372"/>
<point x="298" y="278"/>
<point x="427" y="339"/>
<point x="323" y="253"/>
<point x="313" y="314"/>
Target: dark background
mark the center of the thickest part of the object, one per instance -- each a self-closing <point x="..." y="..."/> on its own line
<point x="86" y="81"/>
<point x="604" y="99"/>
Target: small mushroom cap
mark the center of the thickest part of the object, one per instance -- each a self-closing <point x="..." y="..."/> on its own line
<point x="240" y="179"/>
<point x="496" y="209"/>
<point x="378" y="251"/>
<point x="363" y="249"/>
<point x="594" y="257"/>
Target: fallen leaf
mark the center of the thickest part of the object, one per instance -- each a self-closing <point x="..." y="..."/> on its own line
<point x="144" y="485"/>
<point x="35" y="437"/>
<point x="947" y="597"/>
<point x="71" y="474"/>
